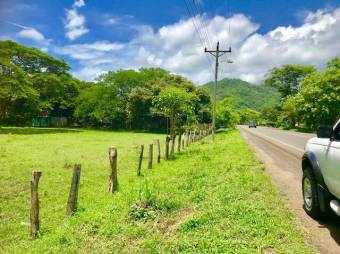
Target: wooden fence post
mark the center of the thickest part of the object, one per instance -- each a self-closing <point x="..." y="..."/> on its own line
<point x="73" y="196"/>
<point x="167" y="140"/>
<point x="183" y="143"/>
<point x="113" y="181"/>
<point x="139" y="170"/>
<point x="150" y="156"/>
<point x="34" y="216"/>
<point x="159" y="151"/>
<point x="173" y="141"/>
<point x="179" y="142"/>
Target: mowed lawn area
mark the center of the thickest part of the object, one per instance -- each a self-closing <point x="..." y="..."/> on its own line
<point x="211" y="198"/>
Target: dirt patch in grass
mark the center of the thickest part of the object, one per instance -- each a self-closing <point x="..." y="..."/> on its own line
<point x="169" y="225"/>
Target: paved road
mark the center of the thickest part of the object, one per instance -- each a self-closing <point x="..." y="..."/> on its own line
<point x="281" y="153"/>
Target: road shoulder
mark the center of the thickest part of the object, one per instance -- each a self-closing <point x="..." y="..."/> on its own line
<point x="284" y="170"/>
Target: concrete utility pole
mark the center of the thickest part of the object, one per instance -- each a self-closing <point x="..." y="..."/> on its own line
<point x="216" y="53"/>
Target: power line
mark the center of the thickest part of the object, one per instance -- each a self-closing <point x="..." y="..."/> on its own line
<point x="199" y="35"/>
<point x="199" y="9"/>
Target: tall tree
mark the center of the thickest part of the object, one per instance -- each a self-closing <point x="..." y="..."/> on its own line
<point x="318" y="101"/>
<point x="225" y="114"/>
<point x="174" y="103"/>
<point x="15" y="86"/>
<point x="287" y="79"/>
<point x="33" y="83"/>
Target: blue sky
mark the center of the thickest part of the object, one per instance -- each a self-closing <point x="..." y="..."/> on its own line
<point x="97" y="36"/>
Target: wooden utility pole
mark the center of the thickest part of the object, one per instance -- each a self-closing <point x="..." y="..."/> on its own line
<point x="217" y="54"/>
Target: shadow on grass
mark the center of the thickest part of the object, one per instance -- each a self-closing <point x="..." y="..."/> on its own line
<point x="31" y="131"/>
<point x="223" y="130"/>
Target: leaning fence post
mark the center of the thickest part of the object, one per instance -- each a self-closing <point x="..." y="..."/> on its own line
<point x="150" y="156"/>
<point x="167" y="140"/>
<point x="140" y="160"/>
<point x="159" y="151"/>
<point x="113" y="181"/>
<point x="34" y="216"/>
<point x="73" y="195"/>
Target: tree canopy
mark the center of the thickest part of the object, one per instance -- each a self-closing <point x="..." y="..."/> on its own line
<point x="33" y="84"/>
<point x="310" y="98"/>
<point x="287" y="79"/>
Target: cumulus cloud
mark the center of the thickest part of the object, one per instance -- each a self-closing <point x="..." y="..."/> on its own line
<point x="177" y="48"/>
<point x="29" y="33"/>
<point x="75" y="22"/>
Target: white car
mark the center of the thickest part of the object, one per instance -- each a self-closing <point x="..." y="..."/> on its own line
<point x="321" y="172"/>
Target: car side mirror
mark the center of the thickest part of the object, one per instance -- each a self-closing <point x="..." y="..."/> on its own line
<point x="325" y="132"/>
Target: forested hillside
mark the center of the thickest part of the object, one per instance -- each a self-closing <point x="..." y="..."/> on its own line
<point x="244" y="94"/>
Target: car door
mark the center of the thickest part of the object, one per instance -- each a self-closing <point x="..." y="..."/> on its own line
<point x="332" y="163"/>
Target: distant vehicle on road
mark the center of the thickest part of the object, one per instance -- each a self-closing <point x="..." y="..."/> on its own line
<point x="252" y="124"/>
<point x="321" y="172"/>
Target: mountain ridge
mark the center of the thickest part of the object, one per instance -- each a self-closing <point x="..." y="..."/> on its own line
<point x="245" y="94"/>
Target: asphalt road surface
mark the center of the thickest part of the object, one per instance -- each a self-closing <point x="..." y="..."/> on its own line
<point x="281" y="153"/>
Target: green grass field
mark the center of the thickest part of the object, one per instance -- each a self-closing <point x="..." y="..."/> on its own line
<point x="211" y="198"/>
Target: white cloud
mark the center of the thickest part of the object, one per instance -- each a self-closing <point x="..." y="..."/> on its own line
<point x="78" y="3"/>
<point x="29" y="33"/>
<point x="75" y="22"/>
<point x="32" y="34"/>
<point x="177" y="48"/>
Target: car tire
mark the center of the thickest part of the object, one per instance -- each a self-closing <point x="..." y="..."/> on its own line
<point x="310" y="194"/>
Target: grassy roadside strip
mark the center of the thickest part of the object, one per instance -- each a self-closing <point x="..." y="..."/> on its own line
<point x="212" y="198"/>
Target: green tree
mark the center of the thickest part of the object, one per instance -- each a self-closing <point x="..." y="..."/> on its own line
<point x="318" y="101"/>
<point x="203" y="106"/>
<point x="57" y="93"/>
<point x="33" y="83"/>
<point x="226" y="116"/>
<point x="15" y="87"/>
<point x="248" y="114"/>
<point x="270" y="115"/>
<point x="287" y="79"/>
<point x="99" y="105"/>
<point x="31" y="60"/>
<point x="174" y="103"/>
<point x="138" y="107"/>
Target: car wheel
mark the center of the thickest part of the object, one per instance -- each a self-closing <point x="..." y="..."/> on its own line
<point x="310" y="194"/>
